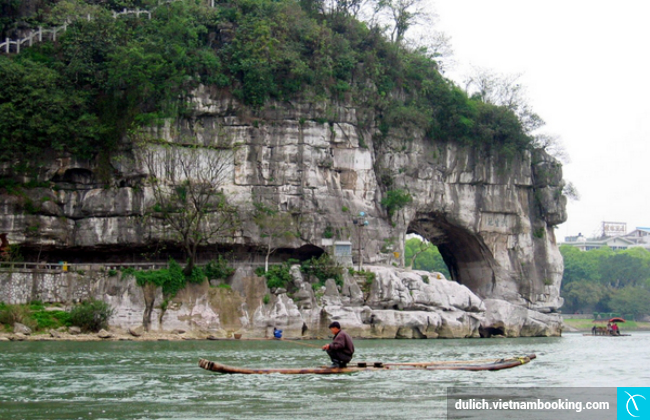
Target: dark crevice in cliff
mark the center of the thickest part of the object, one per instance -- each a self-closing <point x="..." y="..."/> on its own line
<point x="488" y="332"/>
<point x="161" y="253"/>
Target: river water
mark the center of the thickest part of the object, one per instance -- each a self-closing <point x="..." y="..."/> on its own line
<point x="161" y="380"/>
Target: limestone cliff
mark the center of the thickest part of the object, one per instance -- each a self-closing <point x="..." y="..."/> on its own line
<point x="398" y="304"/>
<point x="492" y="218"/>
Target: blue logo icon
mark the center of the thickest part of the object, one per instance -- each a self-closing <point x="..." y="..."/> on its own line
<point x="633" y="403"/>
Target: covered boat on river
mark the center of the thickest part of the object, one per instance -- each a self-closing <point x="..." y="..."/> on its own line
<point x="611" y="330"/>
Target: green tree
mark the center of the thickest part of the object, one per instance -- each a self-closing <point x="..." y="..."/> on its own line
<point x="396" y="200"/>
<point x="416" y="249"/>
<point x="429" y="260"/>
<point x="40" y="111"/>
<point x="91" y="315"/>
<point x="323" y="268"/>
<point x="105" y="78"/>
<point x="583" y="295"/>
<point x="604" y="279"/>
<point x="579" y="265"/>
<point x="631" y="300"/>
<point x="218" y="269"/>
<point x="626" y="268"/>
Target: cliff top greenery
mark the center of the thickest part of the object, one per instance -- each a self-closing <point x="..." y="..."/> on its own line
<point x="104" y="77"/>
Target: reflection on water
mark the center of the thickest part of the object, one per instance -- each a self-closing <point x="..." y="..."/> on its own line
<point x="161" y="380"/>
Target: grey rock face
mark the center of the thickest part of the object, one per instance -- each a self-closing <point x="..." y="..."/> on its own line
<point x="104" y="334"/>
<point x="398" y="304"/>
<point x="137" y="331"/>
<point x="22" y="329"/>
<point x="492" y="218"/>
<point x="504" y="318"/>
<point x="18" y="337"/>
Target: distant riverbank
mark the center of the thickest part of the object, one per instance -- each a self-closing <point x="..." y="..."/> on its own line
<point x="571" y="324"/>
<point x="575" y="324"/>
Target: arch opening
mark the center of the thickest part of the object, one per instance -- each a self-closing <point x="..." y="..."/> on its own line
<point x="468" y="259"/>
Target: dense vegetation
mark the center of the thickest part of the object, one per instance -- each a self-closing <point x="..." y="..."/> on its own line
<point x="316" y="270"/>
<point x="90" y="316"/>
<point x="105" y="77"/>
<point x="33" y="316"/>
<point x="173" y="279"/>
<point x="427" y="257"/>
<point x="604" y="280"/>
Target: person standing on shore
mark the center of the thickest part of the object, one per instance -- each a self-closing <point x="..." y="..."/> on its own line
<point x="341" y="349"/>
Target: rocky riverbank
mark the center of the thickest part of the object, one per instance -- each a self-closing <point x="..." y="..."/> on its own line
<point x="112" y="335"/>
<point x="386" y="302"/>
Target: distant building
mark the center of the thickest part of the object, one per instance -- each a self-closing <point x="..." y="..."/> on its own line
<point x="342" y="251"/>
<point x="640" y="237"/>
<point x="614" y="229"/>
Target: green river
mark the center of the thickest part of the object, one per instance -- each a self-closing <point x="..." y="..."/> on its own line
<point x="161" y="380"/>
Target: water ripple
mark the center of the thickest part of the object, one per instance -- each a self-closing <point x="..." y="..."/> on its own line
<point x="161" y="380"/>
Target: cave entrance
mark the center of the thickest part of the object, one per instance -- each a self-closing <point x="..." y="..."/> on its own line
<point x="468" y="259"/>
<point x="303" y="253"/>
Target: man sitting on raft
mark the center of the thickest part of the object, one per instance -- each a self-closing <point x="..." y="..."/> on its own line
<point x="341" y="349"/>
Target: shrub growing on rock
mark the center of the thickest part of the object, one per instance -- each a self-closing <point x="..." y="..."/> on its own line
<point x="323" y="268"/>
<point x="277" y="276"/>
<point x="10" y="314"/>
<point x="91" y="315"/>
<point x="218" y="269"/>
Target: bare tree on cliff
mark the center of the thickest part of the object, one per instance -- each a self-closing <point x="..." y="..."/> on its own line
<point x="399" y="16"/>
<point x="274" y="227"/>
<point x="187" y="186"/>
<point x="507" y="91"/>
<point x="503" y="90"/>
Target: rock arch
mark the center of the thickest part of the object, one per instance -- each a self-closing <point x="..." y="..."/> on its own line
<point x="468" y="259"/>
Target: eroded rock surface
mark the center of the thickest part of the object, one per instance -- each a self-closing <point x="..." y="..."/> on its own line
<point x="491" y="217"/>
<point x="396" y="304"/>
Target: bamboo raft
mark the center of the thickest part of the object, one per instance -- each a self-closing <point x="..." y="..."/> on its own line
<point x="492" y="364"/>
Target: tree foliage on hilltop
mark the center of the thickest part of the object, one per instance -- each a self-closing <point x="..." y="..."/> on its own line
<point x="106" y="76"/>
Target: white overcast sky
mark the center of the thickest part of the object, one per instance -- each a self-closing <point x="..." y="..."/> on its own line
<point x="586" y="69"/>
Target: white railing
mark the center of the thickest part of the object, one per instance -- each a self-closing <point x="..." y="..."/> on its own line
<point x="74" y="267"/>
<point x="136" y="12"/>
<point x="34" y="36"/>
<point x="49" y="34"/>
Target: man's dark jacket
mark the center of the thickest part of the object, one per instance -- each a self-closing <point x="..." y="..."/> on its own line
<point x="342" y="346"/>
